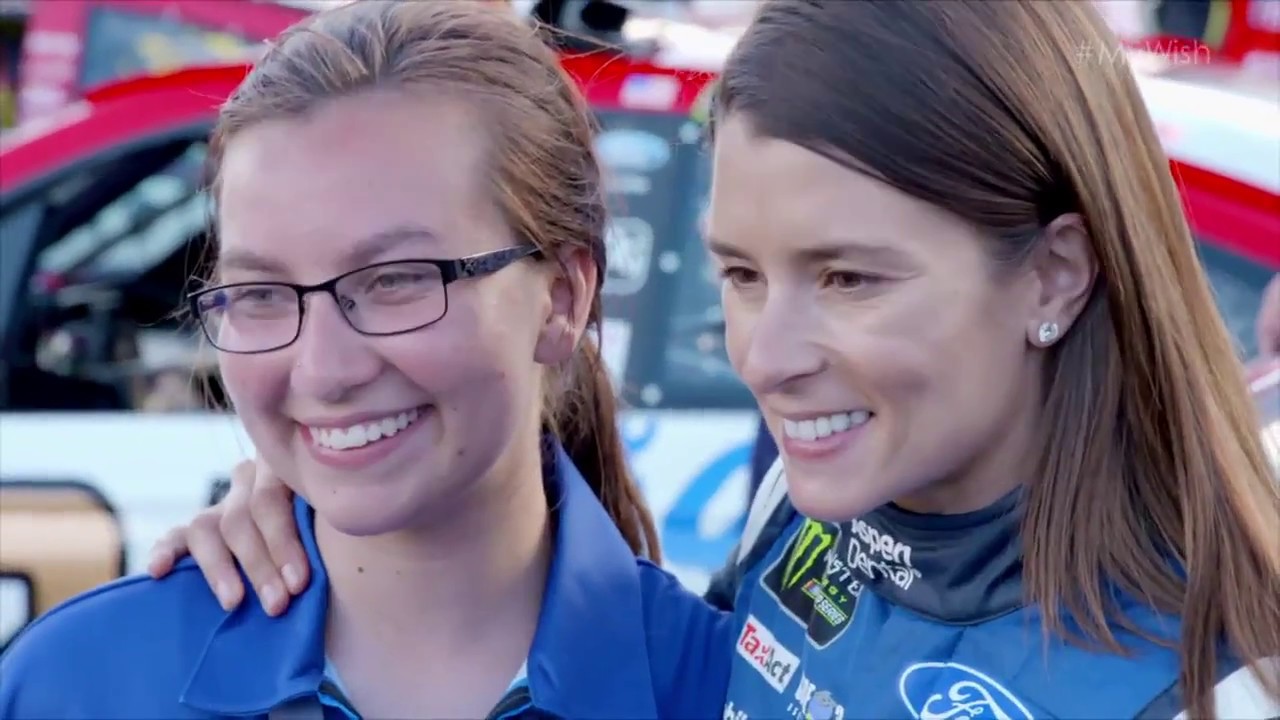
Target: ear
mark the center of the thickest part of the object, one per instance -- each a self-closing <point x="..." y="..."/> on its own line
<point x="573" y="287"/>
<point x="1065" y="268"/>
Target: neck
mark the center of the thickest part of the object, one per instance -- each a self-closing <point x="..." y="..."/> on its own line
<point x="481" y="562"/>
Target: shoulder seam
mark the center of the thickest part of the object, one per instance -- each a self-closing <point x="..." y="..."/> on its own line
<point x="117" y="584"/>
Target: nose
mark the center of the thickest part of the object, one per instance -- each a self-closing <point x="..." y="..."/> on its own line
<point x="781" y="348"/>
<point x="331" y="358"/>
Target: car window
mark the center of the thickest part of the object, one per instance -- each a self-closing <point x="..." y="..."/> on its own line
<point x="1238" y="285"/>
<point x="697" y="370"/>
<point x="138" y="229"/>
<point x="662" y="307"/>
<point x="120" y="43"/>
<point x="108" y="283"/>
<point x="18" y="226"/>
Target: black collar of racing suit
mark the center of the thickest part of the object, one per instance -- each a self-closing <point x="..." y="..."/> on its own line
<point x="955" y="569"/>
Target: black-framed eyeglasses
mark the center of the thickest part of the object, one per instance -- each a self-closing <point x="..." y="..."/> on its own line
<point x="387" y="298"/>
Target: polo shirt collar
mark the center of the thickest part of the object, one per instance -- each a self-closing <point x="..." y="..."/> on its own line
<point x="253" y="662"/>
<point x="589" y="656"/>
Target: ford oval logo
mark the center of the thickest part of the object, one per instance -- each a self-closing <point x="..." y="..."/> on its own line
<point x="632" y="150"/>
<point x="951" y="691"/>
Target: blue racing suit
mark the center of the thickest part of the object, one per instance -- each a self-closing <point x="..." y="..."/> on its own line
<point x="901" y="615"/>
<point x="617" y="638"/>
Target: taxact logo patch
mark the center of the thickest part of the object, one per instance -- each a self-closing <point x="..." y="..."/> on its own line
<point x="761" y="649"/>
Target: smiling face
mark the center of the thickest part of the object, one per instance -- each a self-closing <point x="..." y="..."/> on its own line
<point x="375" y="431"/>
<point x="888" y="354"/>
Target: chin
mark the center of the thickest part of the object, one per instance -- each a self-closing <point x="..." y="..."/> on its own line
<point x="834" y="499"/>
<point x="366" y="515"/>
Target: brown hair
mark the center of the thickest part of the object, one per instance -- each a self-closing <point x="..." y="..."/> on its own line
<point x="546" y="179"/>
<point x="1009" y="115"/>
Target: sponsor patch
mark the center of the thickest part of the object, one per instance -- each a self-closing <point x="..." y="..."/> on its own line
<point x="758" y="646"/>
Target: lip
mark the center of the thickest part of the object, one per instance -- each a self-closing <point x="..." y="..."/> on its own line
<point x="363" y="457"/>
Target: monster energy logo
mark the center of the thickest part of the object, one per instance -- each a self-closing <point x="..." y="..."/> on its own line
<point x="812" y="542"/>
<point x="799" y="582"/>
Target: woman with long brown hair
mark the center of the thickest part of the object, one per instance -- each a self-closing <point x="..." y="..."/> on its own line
<point x="958" y="281"/>
<point x="1042" y="391"/>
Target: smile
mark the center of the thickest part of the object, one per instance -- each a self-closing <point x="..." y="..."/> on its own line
<point x="362" y="434"/>
<point x="825" y="425"/>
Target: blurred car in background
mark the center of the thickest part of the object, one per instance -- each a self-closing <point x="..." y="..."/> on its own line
<point x="58" y="49"/>
<point x="53" y="51"/>
<point x="102" y="223"/>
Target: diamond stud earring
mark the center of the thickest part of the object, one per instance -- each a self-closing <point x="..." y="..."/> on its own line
<point x="1048" y="333"/>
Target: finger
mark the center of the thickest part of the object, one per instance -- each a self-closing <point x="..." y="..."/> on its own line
<point x="165" y="553"/>
<point x="214" y="559"/>
<point x="272" y="509"/>
<point x="245" y="542"/>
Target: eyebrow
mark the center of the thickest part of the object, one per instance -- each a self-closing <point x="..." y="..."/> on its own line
<point x="827" y="251"/>
<point x="363" y="251"/>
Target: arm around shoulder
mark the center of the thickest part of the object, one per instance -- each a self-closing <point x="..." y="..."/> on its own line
<point x="690" y="643"/>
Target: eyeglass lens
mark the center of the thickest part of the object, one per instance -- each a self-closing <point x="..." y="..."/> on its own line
<point x="381" y="300"/>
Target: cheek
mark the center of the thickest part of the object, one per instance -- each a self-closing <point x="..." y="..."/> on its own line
<point x="459" y="360"/>
<point x="896" y="367"/>
<point x="927" y="347"/>
<point x="255" y="384"/>
<point x="485" y="388"/>
<point x="436" y="359"/>
<point x="739" y="329"/>
<point x="961" y="357"/>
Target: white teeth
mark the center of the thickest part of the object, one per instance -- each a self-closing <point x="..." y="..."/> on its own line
<point x="360" y="435"/>
<point x="824" y="426"/>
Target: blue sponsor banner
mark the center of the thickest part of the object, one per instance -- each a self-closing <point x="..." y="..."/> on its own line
<point x="683" y="543"/>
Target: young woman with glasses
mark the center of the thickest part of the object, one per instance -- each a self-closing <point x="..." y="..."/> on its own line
<point x="410" y="225"/>
<point x="958" y="282"/>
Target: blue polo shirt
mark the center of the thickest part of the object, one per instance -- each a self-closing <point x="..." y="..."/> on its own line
<point x="617" y="638"/>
